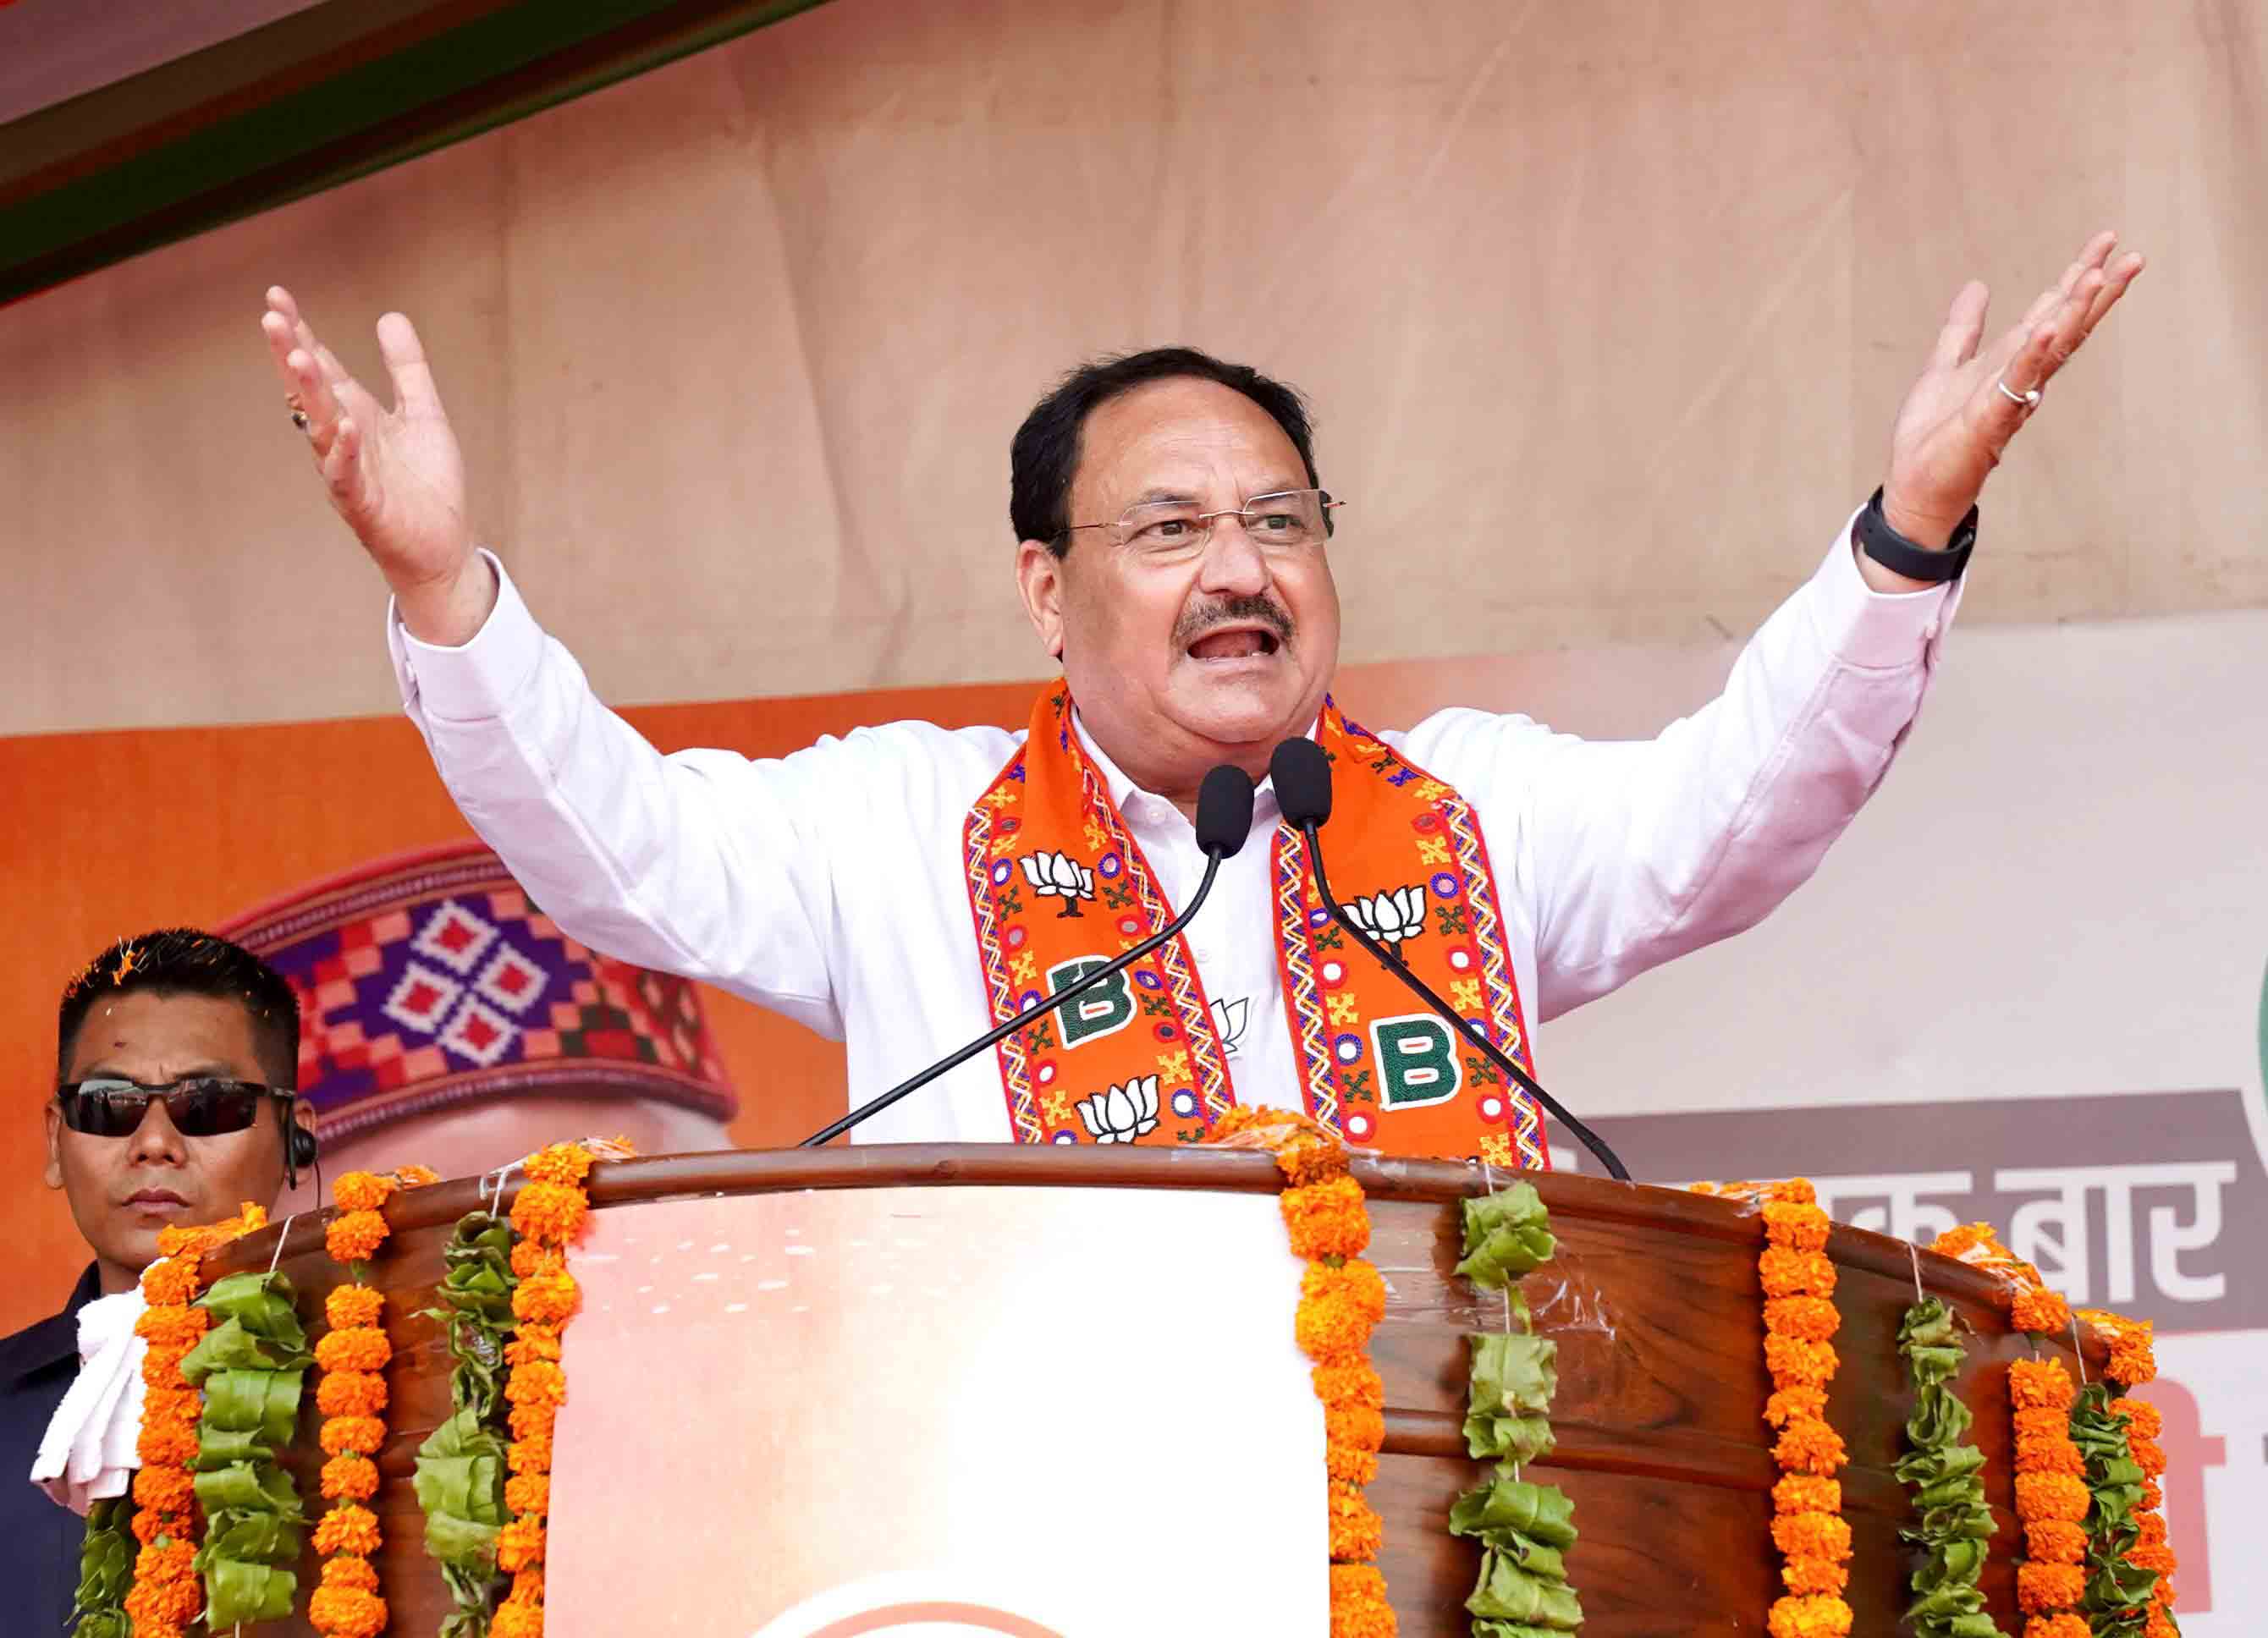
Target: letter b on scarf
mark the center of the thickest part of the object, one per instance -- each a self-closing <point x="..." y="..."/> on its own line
<point x="1103" y="1010"/>
<point x="1417" y="1062"/>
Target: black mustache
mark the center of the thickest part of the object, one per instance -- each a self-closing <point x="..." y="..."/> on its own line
<point x="1261" y="610"/>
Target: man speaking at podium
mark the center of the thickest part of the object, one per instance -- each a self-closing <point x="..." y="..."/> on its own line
<point x="907" y="886"/>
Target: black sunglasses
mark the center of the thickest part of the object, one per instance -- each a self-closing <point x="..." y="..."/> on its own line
<point x="199" y="1105"/>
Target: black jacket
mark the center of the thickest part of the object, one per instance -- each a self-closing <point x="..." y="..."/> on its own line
<point x="39" y="1541"/>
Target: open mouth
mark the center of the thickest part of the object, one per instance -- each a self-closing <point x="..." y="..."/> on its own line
<point x="1242" y="642"/>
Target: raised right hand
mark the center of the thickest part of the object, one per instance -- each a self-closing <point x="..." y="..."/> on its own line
<point x="395" y="476"/>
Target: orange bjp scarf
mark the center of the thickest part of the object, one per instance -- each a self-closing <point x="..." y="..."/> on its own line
<point x="1058" y="886"/>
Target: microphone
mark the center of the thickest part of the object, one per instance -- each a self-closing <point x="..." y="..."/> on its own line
<point x="1302" y="774"/>
<point x="1224" y="820"/>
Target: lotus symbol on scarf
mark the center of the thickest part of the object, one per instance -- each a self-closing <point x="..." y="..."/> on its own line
<point x="1228" y="1018"/>
<point x="1391" y="916"/>
<point x="1058" y="876"/>
<point x="1122" y="1113"/>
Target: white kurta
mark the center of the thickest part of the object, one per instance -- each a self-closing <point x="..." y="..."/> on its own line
<point x="829" y="885"/>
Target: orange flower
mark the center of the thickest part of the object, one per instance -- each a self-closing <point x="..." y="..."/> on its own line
<point x="1801" y="1228"/>
<point x="565" y="1164"/>
<point x="2040" y="1383"/>
<point x="538" y="1382"/>
<point x="550" y="1298"/>
<point x="169" y="1602"/>
<point x="351" y="1239"/>
<point x="1326" y="1219"/>
<point x="1344" y="1464"/>
<point x="347" y="1570"/>
<point x="2153" y="1529"/>
<point x="2051" y="1496"/>
<point x="2055" y="1454"/>
<point x="530" y="1257"/>
<point x="1354" y="1427"/>
<point x="1953" y="1241"/>
<point x="1357" y="1283"/>
<point x="1794" y="1192"/>
<point x="2144" y="1420"/>
<point x="165" y="1444"/>
<point x="413" y="1177"/>
<point x="2044" y="1589"/>
<point x="1812" y="1536"/>
<point x="351" y="1393"/>
<point x="170" y="1283"/>
<point x="1809" y="1318"/>
<point x="2039" y="1311"/>
<point x="532" y="1342"/>
<point x="1355" y="1383"/>
<point x="2039" y="1421"/>
<point x="549" y="1212"/>
<point x="2158" y="1560"/>
<point x="167" y="1489"/>
<point x="533" y="1455"/>
<point x="1331" y="1330"/>
<point x="348" y="1306"/>
<point x="174" y="1330"/>
<point x="1795" y="1363"/>
<point x="356" y="1436"/>
<point x="2152" y="1497"/>
<point x="346" y="1612"/>
<point x="2157" y="1625"/>
<point x="362" y="1191"/>
<point x="1808" y="1618"/>
<point x="363" y="1349"/>
<point x="528" y="1492"/>
<point x="1816" y="1577"/>
<point x="536" y="1417"/>
<point x="527" y="1586"/>
<point x="1359" y="1606"/>
<point x="354" y="1478"/>
<point x="2133" y="1360"/>
<point x="172" y="1560"/>
<point x="1806" y="1492"/>
<point x="149" y="1525"/>
<point x="2149" y="1456"/>
<point x="2056" y="1626"/>
<point x="347" y="1528"/>
<point x="2055" y="1541"/>
<point x="1356" y="1529"/>
<point x="516" y="1619"/>
<point x="1802" y="1402"/>
<point x="1795" y="1274"/>
<point x="1809" y="1447"/>
<point x="520" y="1543"/>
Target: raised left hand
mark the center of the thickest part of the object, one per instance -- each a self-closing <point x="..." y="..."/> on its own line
<point x="1956" y="422"/>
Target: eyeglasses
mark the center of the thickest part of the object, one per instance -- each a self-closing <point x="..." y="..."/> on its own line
<point x="1284" y="521"/>
<point x="199" y="1105"/>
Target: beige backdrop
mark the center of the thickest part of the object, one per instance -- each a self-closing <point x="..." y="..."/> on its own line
<point x="1606" y="309"/>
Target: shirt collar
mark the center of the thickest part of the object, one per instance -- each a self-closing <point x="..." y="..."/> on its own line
<point x="1123" y="789"/>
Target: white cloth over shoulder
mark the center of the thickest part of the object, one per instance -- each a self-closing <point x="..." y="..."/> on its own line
<point x="87" y="1454"/>
<point x="830" y="884"/>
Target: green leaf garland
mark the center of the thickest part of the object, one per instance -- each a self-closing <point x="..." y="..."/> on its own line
<point x="461" y="1467"/>
<point x="106" y="1570"/>
<point x="2118" y="1594"/>
<point x="251" y="1366"/>
<point x="1524" y="1530"/>
<point x="1955" y="1522"/>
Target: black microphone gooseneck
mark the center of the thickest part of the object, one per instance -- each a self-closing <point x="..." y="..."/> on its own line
<point x="1224" y="819"/>
<point x="1302" y="777"/>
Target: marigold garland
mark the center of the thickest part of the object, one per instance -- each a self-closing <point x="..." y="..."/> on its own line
<point x="352" y="1397"/>
<point x="2051" y="1584"/>
<point x="1799" y="1325"/>
<point x="166" y="1593"/>
<point x="1342" y="1299"/>
<point x="549" y="1211"/>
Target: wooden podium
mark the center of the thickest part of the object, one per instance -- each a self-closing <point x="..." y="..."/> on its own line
<point x="1653" y="1299"/>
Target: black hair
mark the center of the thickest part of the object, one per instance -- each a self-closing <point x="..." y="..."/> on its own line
<point x="1044" y="456"/>
<point x="182" y="961"/>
